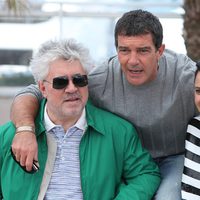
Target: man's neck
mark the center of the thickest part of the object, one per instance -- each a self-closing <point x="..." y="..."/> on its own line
<point x="65" y="122"/>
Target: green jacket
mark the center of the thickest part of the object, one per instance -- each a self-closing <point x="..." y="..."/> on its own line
<point x="113" y="164"/>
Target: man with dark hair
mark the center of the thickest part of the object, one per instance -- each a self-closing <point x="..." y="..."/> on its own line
<point x="145" y="84"/>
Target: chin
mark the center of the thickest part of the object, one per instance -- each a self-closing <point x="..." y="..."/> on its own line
<point x="136" y="82"/>
<point x="72" y="112"/>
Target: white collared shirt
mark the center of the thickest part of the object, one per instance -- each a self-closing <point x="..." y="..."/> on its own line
<point x="65" y="181"/>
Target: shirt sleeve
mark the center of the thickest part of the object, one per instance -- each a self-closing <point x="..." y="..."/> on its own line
<point x="140" y="174"/>
<point x="191" y="171"/>
<point x="31" y="90"/>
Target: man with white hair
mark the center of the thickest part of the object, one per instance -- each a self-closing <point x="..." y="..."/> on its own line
<point x="84" y="152"/>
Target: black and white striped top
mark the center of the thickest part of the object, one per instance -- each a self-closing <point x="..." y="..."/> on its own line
<point x="191" y="172"/>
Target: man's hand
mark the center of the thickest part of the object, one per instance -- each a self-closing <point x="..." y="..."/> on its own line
<point x="25" y="149"/>
<point x="24" y="146"/>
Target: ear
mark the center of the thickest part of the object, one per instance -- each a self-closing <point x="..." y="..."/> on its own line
<point x="42" y="88"/>
<point x="161" y="50"/>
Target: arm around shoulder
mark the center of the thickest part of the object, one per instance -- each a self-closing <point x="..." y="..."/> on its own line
<point x="23" y="112"/>
<point x="25" y="105"/>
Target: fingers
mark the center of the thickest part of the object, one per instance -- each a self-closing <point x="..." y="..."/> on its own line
<point x="22" y="159"/>
<point x="24" y="148"/>
<point x="36" y="159"/>
<point x="29" y="161"/>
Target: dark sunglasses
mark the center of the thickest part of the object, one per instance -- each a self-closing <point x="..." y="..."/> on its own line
<point x="63" y="81"/>
<point x="34" y="169"/>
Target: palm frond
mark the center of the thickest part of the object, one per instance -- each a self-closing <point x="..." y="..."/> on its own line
<point x="17" y="6"/>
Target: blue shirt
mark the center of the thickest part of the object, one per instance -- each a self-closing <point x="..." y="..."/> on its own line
<point x="65" y="181"/>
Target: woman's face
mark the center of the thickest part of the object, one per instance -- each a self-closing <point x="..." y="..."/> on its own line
<point x="197" y="91"/>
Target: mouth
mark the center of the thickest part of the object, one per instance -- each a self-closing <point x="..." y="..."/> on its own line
<point x="135" y="72"/>
<point x="72" y="98"/>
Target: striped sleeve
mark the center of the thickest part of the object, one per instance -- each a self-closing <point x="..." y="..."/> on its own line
<point x="191" y="173"/>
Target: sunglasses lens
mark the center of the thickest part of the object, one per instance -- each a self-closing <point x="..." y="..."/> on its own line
<point x="80" y="80"/>
<point x="60" y="82"/>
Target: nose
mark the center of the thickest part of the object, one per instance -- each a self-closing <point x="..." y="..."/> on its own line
<point x="71" y="88"/>
<point x="133" y="58"/>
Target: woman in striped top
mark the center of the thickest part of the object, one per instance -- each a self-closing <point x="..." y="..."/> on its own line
<point x="191" y="172"/>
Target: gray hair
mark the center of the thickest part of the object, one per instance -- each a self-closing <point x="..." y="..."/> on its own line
<point x="62" y="49"/>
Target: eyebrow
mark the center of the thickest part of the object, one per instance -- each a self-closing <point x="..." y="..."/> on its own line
<point x="145" y="47"/>
<point x="122" y="47"/>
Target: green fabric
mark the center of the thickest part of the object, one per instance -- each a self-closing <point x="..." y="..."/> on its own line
<point x="113" y="163"/>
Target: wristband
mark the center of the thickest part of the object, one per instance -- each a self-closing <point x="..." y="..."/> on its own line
<point x="25" y="129"/>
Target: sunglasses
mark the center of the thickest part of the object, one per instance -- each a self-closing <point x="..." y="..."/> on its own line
<point x="34" y="169"/>
<point x="61" y="82"/>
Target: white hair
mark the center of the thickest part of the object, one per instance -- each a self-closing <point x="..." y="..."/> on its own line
<point x="51" y="50"/>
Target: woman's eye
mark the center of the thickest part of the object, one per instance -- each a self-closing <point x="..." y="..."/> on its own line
<point x="197" y="91"/>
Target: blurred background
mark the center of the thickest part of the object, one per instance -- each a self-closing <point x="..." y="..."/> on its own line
<point x="25" y="24"/>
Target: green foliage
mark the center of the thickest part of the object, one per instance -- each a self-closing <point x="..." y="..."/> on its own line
<point x="17" y="6"/>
